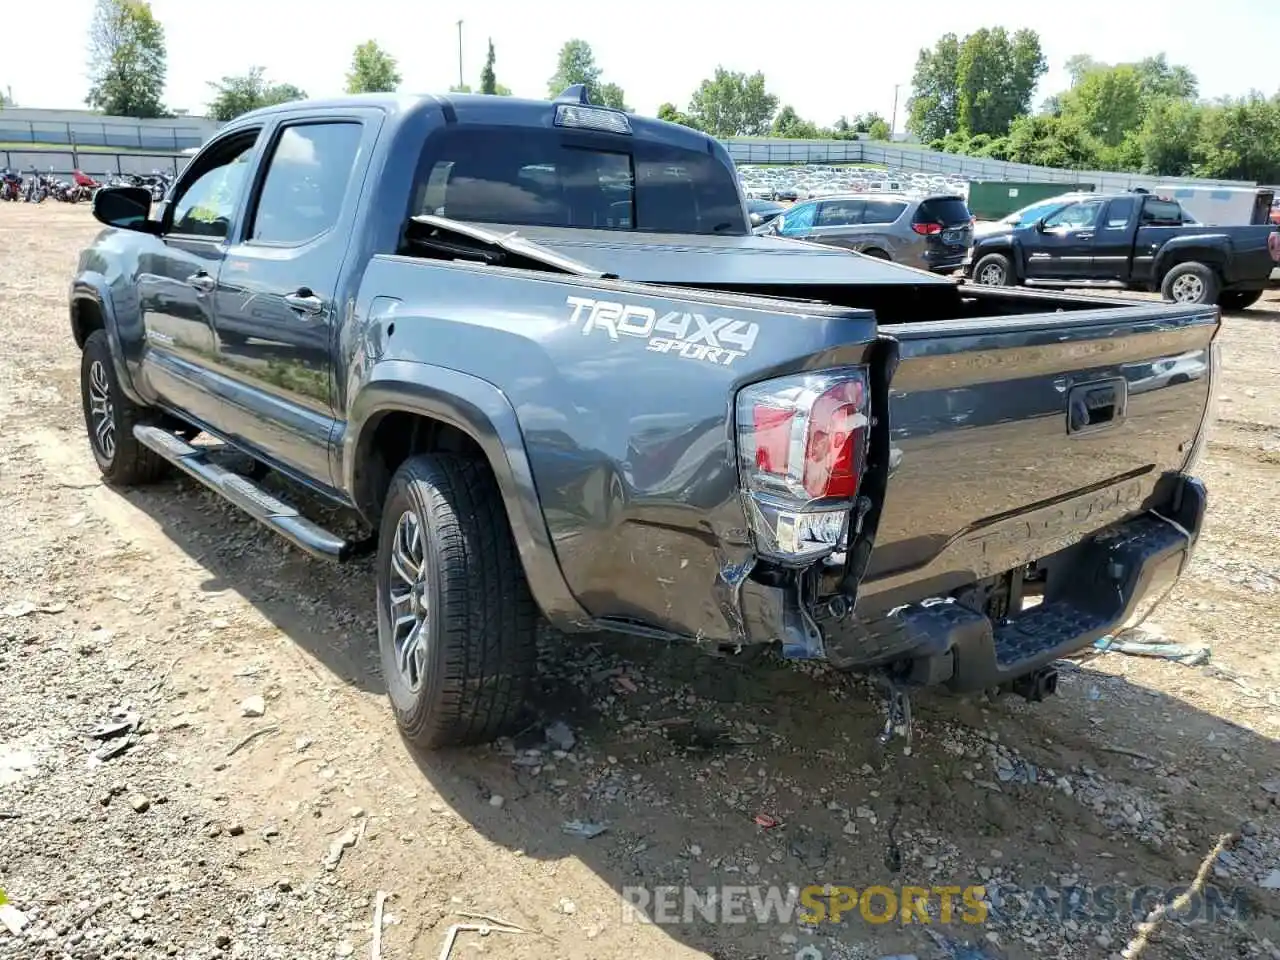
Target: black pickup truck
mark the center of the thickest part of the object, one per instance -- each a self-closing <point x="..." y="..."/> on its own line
<point x="536" y="350"/>
<point x="1131" y="241"/>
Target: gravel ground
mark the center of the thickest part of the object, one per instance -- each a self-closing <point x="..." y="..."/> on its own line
<point x="196" y="760"/>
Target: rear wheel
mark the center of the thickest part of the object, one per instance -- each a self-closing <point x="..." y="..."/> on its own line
<point x="875" y="253"/>
<point x="1238" y="299"/>
<point x="457" y="626"/>
<point x="1190" y="283"/>
<point x="993" y="270"/>
<point x="110" y="416"/>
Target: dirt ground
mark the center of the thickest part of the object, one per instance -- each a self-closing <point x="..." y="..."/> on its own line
<point x="221" y="833"/>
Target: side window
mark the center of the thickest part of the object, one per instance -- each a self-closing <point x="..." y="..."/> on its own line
<point x="1160" y="213"/>
<point x="1118" y="214"/>
<point x="306" y="182"/>
<point x="206" y="204"/>
<point x="1078" y="216"/>
<point x="797" y="220"/>
<point x="840" y="213"/>
<point x="883" y="211"/>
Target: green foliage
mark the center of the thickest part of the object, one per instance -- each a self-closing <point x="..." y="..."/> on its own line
<point x="127" y="60"/>
<point x="488" y="79"/>
<point x="1240" y="139"/>
<point x="373" y="70"/>
<point x="237" y="95"/>
<point x="1107" y="102"/>
<point x="878" y="129"/>
<point x="790" y="126"/>
<point x="672" y="114"/>
<point x="733" y="104"/>
<point x="577" y="64"/>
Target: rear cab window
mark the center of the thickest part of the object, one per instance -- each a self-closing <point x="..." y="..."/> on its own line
<point x="577" y="179"/>
<point x="1160" y="213"/>
<point x="948" y="211"/>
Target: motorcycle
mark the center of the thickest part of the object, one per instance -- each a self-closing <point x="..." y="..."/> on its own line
<point x="10" y="185"/>
<point x="36" y="187"/>
<point x="83" y="187"/>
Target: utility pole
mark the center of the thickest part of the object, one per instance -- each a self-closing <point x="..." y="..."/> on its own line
<point x="893" y="124"/>
<point x="460" y="81"/>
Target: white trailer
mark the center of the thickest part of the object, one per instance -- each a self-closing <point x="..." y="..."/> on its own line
<point x="1221" y="206"/>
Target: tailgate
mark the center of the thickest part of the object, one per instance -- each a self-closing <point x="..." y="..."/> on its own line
<point x="1014" y="437"/>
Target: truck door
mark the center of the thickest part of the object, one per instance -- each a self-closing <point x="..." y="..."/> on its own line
<point x="1113" y="241"/>
<point x="177" y="276"/>
<point x="1063" y="248"/>
<point x="276" y="306"/>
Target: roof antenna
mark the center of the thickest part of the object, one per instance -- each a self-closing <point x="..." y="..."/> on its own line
<point x="577" y="93"/>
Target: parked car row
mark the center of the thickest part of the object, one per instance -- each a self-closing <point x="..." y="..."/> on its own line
<point x="811" y="182"/>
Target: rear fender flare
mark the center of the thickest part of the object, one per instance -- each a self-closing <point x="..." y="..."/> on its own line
<point x="93" y="289"/>
<point x="480" y="410"/>
<point x="1212" y="251"/>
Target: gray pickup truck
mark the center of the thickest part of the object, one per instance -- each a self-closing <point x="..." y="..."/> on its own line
<point x="536" y="349"/>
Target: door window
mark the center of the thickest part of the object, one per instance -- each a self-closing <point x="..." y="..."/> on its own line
<point x="1118" y="213"/>
<point x="1161" y="213"/>
<point x="205" y="205"/>
<point x="797" y="220"/>
<point x="840" y="213"/>
<point x="1078" y="216"/>
<point x="306" y="182"/>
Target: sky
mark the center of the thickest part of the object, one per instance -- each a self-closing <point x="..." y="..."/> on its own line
<point x="824" y="58"/>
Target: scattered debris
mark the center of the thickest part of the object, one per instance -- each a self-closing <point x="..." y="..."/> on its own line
<point x="1157" y="916"/>
<point x="120" y="722"/>
<point x="497" y="800"/>
<point x="260" y="732"/>
<point x="560" y="735"/>
<point x="1271" y="881"/>
<point x="766" y="821"/>
<point x="1141" y="644"/>
<point x="15" y="920"/>
<point x="25" y="607"/>
<point x="338" y="847"/>
<point x="375" y="951"/>
<point x="583" y="828"/>
<point x="484" y="929"/>
<point x="140" y="803"/>
<point x="254" y="706"/>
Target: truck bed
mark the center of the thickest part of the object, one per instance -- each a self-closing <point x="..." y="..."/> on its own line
<point x="1020" y="422"/>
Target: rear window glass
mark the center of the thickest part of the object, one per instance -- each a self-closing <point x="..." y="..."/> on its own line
<point x="948" y="211"/>
<point x="883" y="211"/>
<point x="840" y="213"/>
<point x="1158" y="213"/>
<point x="554" y="178"/>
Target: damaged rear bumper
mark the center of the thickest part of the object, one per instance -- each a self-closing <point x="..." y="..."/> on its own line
<point x="1112" y="577"/>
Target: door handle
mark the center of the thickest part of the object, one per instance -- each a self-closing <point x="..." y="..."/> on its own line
<point x="202" y="282"/>
<point x="304" y="301"/>
<point x="1084" y="236"/>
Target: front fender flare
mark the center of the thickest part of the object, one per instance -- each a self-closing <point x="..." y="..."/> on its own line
<point x="93" y="288"/>
<point x="483" y="412"/>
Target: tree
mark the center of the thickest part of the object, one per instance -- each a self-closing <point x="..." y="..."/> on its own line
<point x="995" y="77"/>
<point x="1240" y="139"/>
<point x="488" y="79"/>
<point x="933" y="110"/>
<point x="237" y="95"/>
<point x="1080" y="64"/>
<point x="1170" y="137"/>
<point x="789" y="125"/>
<point x="672" y="114"/>
<point x="733" y="105"/>
<point x="1107" y="102"/>
<point x="577" y="64"/>
<point x="879" y="129"/>
<point x="1050" y="142"/>
<point x="6" y="98"/>
<point x="127" y="60"/>
<point x="1160" y="79"/>
<point x="373" y="70"/>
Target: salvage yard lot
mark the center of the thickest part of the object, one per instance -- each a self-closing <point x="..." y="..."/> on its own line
<point x="220" y="832"/>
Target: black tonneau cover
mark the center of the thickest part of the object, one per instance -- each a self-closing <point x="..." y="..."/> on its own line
<point x="709" y="261"/>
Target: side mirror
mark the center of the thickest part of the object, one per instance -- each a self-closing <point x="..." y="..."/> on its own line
<point x="1040" y="225"/>
<point x="756" y="219"/>
<point x="127" y="208"/>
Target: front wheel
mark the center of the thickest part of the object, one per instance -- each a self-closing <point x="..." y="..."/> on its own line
<point x="457" y="626"/>
<point x="993" y="270"/>
<point x="110" y="416"/>
<point x="1238" y="299"/>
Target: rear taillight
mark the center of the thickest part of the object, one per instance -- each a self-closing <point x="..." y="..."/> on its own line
<point x="1273" y="245"/>
<point x="802" y="445"/>
<point x="927" y="229"/>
